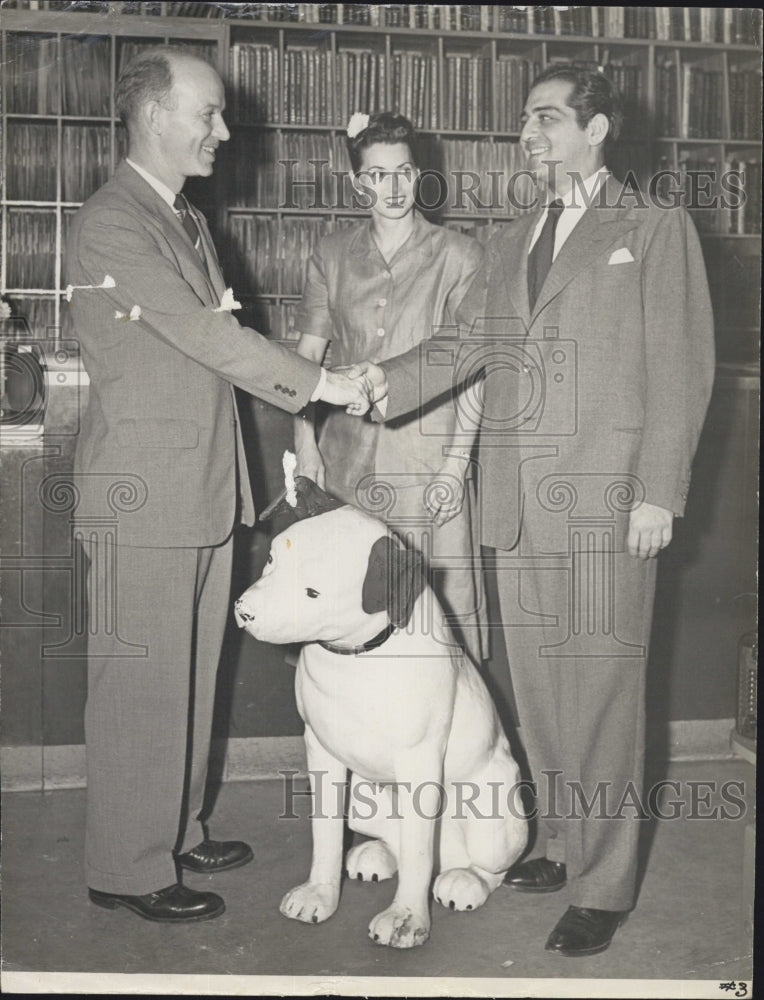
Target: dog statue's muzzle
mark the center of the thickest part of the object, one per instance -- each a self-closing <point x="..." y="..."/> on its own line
<point x="242" y="616"/>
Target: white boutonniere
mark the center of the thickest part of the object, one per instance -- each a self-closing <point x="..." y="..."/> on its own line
<point x="131" y="317"/>
<point x="358" y="122"/>
<point x="5" y="309"/>
<point x="228" y="303"/>
<point x="108" y="282"/>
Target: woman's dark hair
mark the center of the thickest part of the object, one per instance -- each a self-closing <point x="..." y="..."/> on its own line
<point x="592" y="94"/>
<point x="383" y="127"/>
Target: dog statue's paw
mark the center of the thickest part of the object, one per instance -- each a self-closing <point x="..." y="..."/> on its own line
<point x="460" y="889"/>
<point x="370" y="862"/>
<point x="400" y="927"/>
<point x="310" y="902"/>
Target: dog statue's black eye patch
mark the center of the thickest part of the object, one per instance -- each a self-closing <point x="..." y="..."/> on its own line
<point x="395" y="577"/>
<point x="311" y="592"/>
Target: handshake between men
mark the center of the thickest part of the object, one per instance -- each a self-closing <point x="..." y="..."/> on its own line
<point x="357" y="387"/>
<point x="361" y="386"/>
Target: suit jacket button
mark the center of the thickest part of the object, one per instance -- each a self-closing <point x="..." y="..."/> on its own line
<point x="277" y="387"/>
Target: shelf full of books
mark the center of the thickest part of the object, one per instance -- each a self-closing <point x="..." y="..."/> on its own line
<point x="704" y="25"/>
<point x="691" y="80"/>
<point x="316" y="85"/>
<point x="62" y="75"/>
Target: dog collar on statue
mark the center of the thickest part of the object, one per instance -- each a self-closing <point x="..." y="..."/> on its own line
<point x="378" y="640"/>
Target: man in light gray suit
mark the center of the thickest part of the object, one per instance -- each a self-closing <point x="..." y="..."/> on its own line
<point x="592" y="322"/>
<point x="161" y="438"/>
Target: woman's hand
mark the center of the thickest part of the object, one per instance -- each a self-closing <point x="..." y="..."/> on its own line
<point x="444" y="496"/>
<point x="311" y="464"/>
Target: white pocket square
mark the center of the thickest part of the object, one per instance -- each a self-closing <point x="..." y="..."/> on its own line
<point x="621" y="256"/>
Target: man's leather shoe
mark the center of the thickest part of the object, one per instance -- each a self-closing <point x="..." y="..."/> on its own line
<point x="174" y="905"/>
<point x="215" y="856"/>
<point x="584" y="931"/>
<point x="538" y="875"/>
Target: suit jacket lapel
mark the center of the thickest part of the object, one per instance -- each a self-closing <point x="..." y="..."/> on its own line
<point x="192" y="264"/>
<point x="516" y="271"/>
<point x="192" y="255"/>
<point x="213" y="264"/>
<point x="595" y="231"/>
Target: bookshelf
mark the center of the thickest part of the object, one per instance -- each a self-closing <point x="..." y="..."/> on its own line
<point x="691" y="78"/>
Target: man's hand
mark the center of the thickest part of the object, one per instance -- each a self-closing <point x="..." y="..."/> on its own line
<point x="347" y="391"/>
<point x="650" y="530"/>
<point x="373" y="378"/>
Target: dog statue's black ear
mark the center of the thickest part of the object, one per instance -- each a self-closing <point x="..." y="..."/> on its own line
<point x="395" y="577"/>
<point x="311" y="501"/>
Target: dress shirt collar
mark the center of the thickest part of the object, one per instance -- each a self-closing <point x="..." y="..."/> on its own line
<point x="161" y="189"/>
<point x="574" y="204"/>
<point x="577" y="199"/>
<point x="420" y="240"/>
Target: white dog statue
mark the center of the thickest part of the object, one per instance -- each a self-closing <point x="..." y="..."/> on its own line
<point x="385" y="692"/>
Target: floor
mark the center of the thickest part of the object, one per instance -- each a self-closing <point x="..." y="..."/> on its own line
<point x="689" y="923"/>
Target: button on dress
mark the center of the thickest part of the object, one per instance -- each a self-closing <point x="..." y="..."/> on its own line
<point x="369" y="308"/>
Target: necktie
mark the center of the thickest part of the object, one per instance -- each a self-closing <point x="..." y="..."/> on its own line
<point x="181" y="207"/>
<point x="540" y="257"/>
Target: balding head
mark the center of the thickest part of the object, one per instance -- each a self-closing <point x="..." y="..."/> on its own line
<point x="149" y="77"/>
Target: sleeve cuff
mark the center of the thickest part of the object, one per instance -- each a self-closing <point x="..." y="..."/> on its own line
<point x="318" y="391"/>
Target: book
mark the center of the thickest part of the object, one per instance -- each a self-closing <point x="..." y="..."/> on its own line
<point x="744" y="217"/>
<point x="512" y="19"/>
<point x="254" y="169"/>
<point x="733" y="26"/>
<point x="85" y="160"/>
<point x="667" y="90"/>
<point x="32" y="87"/>
<point x="481" y="177"/>
<point x="745" y="103"/>
<point x="701" y="103"/>
<point x="85" y="69"/>
<point x="359" y="83"/>
<point x="699" y="180"/>
<point x="31" y="161"/>
<point x="31" y="248"/>
<point x="469" y="92"/>
<point x="268" y="255"/>
<point x="513" y="79"/>
<point x="254" y="79"/>
<point x="39" y="311"/>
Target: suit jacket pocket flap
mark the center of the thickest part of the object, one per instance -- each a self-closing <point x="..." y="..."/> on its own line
<point x="157" y="433"/>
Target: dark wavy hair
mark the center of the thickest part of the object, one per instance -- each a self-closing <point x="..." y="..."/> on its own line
<point x="383" y="127"/>
<point x="593" y="94"/>
<point x="147" y="77"/>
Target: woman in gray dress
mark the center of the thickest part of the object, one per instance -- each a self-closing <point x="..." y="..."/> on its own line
<point x="373" y="290"/>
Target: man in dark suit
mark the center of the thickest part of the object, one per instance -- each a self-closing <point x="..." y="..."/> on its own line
<point x="160" y="443"/>
<point x="592" y="321"/>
